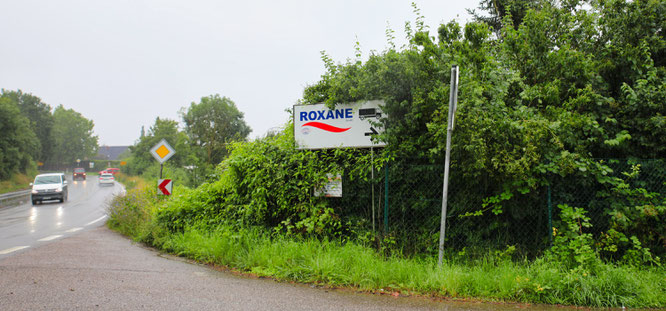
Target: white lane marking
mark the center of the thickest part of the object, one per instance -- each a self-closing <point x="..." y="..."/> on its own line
<point x="96" y="220"/>
<point x="74" y="229"/>
<point x="49" y="238"/>
<point x="13" y="249"/>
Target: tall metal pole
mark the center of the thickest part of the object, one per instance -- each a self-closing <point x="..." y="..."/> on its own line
<point x="161" y="165"/>
<point x="372" y="178"/>
<point x="386" y="198"/>
<point x="453" y="103"/>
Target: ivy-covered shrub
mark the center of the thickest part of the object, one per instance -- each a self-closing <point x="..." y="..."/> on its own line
<point x="269" y="183"/>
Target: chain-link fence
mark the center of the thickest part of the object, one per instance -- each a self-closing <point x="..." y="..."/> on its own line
<point x="630" y="204"/>
<point x="410" y="214"/>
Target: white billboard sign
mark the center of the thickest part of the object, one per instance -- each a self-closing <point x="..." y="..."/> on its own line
<point x="347" y="125"/>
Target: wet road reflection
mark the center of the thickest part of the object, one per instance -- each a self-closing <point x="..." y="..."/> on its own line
<point x="23" y="225"/>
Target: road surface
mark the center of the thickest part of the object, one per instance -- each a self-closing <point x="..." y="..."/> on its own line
<point x="25" y="226"/>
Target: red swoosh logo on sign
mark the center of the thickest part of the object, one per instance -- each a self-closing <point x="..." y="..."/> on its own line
<point x="326" y="127"/>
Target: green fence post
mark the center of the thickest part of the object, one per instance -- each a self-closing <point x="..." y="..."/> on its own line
<point x="386" y="201"/>
<point x="550" y="218"/>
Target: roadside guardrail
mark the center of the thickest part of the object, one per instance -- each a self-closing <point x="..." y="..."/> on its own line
<point x="12" y="196"/>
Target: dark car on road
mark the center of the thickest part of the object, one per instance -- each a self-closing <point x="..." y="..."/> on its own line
<point x="79" y="173"/>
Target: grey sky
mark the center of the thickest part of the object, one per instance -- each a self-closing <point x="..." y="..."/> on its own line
<point x="122" y="63"/>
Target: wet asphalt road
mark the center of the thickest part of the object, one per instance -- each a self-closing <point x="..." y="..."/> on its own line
<point x="25" y="226"/>
<point x="73" y="262"/>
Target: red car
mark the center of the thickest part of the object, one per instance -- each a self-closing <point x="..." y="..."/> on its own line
<point x="112" y="170"/>
<point x="79" y="172"/>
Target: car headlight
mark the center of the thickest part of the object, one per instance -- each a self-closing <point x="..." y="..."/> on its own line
<point x="59" y="189"/>
<point x="34" y="192"/>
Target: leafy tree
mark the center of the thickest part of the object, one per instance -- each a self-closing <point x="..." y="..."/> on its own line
<point x="496" y="10"/>
<point x="40" y="117"/>
<point x="212" y="125"/>
<point x="72" y="136"/>
<point x="18" y="142"/>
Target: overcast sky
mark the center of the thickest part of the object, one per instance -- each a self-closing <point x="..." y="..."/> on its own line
<point x="122" y="63"/>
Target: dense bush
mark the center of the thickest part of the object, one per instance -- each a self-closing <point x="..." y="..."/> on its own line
<point x="269" y="183"/>
<point x="539" y="102"/>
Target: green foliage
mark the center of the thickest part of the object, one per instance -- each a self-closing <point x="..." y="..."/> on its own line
<point x="18" y="143"/>
<point x="131" y="214"/>
<point x="268" y="183"/>
<point x="18" y="181"/>
<point x="41" y="120"/>
<point x="141" y="162"/>
<point x="211" y="126"/>
<point x="73" y="136"/>
<point x="637" y="220"/>
<point x="560" y="85"/>
<point x="572" y="247"/>
<point x="494" y="12"/>
<point x="33" y="133"/>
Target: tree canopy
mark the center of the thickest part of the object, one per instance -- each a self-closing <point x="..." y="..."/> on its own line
<point x="18" y="142"/>
<point x="212" y="124"/>
<point x="40" y="117"/>
<point x="73" y="136"/>
<point x="34" y="133"/>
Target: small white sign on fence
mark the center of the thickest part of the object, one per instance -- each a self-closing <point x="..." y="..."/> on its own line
<point x="332" y="189"/>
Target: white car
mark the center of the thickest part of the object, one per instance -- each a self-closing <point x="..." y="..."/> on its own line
<point x="49" y="187"/>
<point x="106" y="179"/>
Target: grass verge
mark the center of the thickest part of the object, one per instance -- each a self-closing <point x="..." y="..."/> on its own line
<point x="359" y="267"/>
<point x="16" y="182"/>
<point x="494" y="278"/>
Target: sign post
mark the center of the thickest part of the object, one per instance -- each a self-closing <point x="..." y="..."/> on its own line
<point x="453" y="105"/>
<point x="162" y="152"/>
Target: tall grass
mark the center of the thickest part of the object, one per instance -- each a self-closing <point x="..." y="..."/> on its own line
<point x="17" y="182"/>
<point x="131" y="182"/>
<point x="351" y="265"/>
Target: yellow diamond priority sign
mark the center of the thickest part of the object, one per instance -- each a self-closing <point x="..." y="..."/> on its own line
<point x="162" y="151"/>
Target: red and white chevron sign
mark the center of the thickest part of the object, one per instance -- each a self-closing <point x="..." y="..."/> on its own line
<point x="165" y="186"/>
